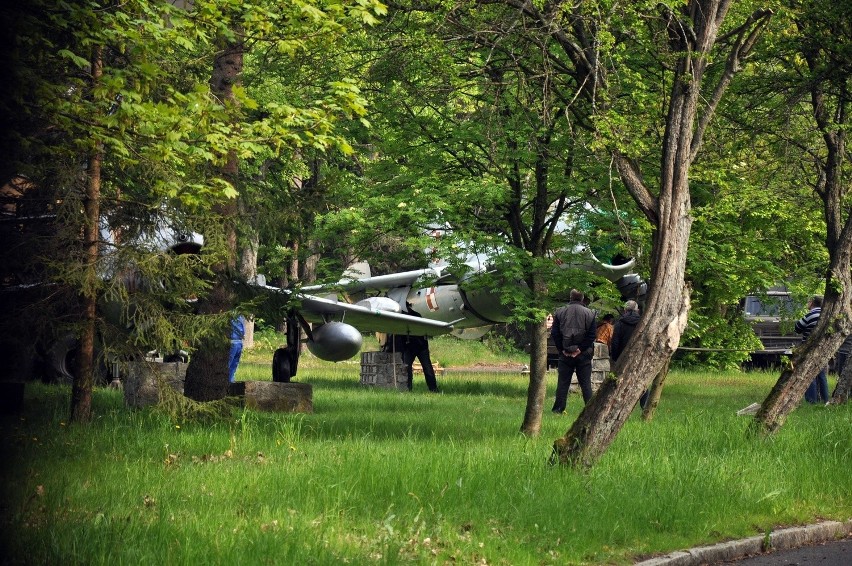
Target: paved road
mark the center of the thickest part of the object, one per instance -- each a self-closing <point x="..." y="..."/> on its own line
<point x="834" y="553"/>
<point x="824" y="544"/>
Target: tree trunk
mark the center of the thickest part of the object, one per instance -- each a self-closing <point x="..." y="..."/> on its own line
<point x="658" y="333"/>
<point x="248" y="270"/>
<point x="309" y="269"/>
<point x="806" y="362"/>
<point x="537" y="388"/>
<point x="655" y="393"/>
<point x="84" y="376"/>
<point x="653" y="342"/>
<point x="207" y="373"/>
<point x="293" y="268"/>
<point x="835" y="322"/>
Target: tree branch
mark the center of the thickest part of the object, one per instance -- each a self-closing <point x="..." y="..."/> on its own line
<point x="746" y="37"/>
<point x="632" y="179"/>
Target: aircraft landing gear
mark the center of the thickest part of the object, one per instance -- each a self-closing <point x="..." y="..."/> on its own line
<point x="285" y="361"/>
<point x="281" y="366"/>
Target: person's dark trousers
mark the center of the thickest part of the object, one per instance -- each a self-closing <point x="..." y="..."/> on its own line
<point x="582" y="365"/>
<point x="818" y="389"/>
<point x="841" y="362"/>
<point x="643" y="400"/>
<point x="822" y="384"/>
<point x="409" y="370"/>
<point x="422" y="356"/>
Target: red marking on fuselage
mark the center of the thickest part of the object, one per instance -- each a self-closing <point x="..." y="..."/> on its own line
<point x="432" y="299"/>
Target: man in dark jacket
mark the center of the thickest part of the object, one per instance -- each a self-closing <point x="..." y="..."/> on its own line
<point x="623" y="329"/>
<point x="573" y="334"/>
<point x="621" y="334"/>
<point x="818" y="389"/>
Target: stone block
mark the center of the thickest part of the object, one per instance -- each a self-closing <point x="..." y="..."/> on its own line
<point x="279" y="397"/>
<point x="384" y="369"/>
<point x="141" y="384"/>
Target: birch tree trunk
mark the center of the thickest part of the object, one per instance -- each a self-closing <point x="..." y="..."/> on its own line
<point x="248" y="270"/>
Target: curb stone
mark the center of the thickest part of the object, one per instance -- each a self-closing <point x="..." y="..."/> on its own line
<point x="781" y="539"/>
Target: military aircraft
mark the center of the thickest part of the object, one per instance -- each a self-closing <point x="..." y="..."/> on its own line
<point x="55" y="355"/>
<point x="424" y="302"/>
<point x="28" y="226"/>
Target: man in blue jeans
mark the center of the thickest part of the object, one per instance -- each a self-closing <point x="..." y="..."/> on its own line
<point x="805" y="326"/>
<point x="238" y="331"/>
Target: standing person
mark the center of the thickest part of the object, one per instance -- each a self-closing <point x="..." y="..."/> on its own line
<point x="623" y="329"/>
<point x="605" y="328"/>
<point x="621" y="334"/>
<point x="238" y="332"/>
<point x="843" y="355"/>
<point x="840" y="361"/>
<point x="573" y="334"/>
<point x="411" y="348"/>
<point x="805" y="326"/>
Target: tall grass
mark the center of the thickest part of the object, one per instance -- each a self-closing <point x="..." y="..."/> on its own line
<point x="378" y="476"/>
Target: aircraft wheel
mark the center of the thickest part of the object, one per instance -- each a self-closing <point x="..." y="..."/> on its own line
<point x="59" y="360"/>
<point x="281" y="366"/>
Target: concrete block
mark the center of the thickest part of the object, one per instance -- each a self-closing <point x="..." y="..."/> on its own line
<point x="141" y="384"/>
<point x="279" y="397"/>
<point x="384" y="369"/>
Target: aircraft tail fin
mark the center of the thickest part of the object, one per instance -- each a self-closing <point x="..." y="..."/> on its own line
<point x="357" y="270"/>
<point x="592" y="264"/>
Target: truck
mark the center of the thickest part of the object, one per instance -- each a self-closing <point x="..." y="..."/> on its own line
<point x="772" y="316"/>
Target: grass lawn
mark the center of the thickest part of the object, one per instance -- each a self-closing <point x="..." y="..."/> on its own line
<point x="377" y="476"/>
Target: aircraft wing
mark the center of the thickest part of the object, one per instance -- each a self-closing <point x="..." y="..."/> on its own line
<point x="366" y="319"/>
<point x="378" y="282"/>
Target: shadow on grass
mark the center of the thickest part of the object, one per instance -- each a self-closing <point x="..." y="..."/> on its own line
<point x="456" y="385"/>
<point x="455" y="382"/>
<point x="489" y="406"/>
